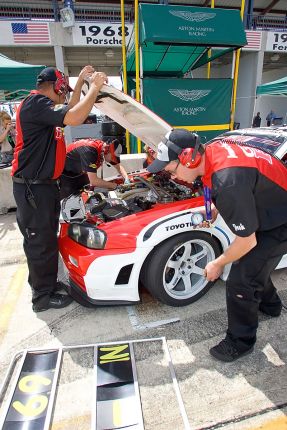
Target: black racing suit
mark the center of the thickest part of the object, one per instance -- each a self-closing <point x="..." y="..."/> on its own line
<point x="84" y="155"/>
<point x="38" y="162"/>
<point x="249" y="189"/>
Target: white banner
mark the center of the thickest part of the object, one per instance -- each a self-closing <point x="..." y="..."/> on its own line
<point x="99" y="34"/>
<point x="24" y="33"/>
<point x="276" y="42"/>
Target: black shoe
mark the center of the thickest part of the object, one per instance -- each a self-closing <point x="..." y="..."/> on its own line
<point x="56" y="301"/>
<point x="60" y="286"/>
<point x="272" y="311"/>
<point x="227" y="351"/>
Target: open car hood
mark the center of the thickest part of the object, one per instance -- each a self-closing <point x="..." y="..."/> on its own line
<point x="130" y="114"/>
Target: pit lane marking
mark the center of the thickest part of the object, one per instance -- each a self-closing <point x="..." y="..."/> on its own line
<point x="137" y="325"/>
<point x="277" y="424"/>
<point x="272" y="355"/>
<point x="10" y="300"/>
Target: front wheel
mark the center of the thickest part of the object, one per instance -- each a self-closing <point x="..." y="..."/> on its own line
<point x="174" y="272"/>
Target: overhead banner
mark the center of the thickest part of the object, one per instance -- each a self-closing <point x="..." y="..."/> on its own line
<point x="100" y="34"/>
<point x="190" y="102"/>
<point x="24" y="33"/>
<point x="192" y="25"/>
<point x="276" y="42"/>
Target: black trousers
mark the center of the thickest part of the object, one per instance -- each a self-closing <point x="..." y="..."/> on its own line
<point x="39" y="228"/>
<point x="249" y="284"/>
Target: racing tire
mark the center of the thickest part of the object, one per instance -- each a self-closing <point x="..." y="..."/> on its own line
<point x="174" y="272"/>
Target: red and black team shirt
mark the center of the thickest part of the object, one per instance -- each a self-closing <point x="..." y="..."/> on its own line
<point x="84" y="155"/>
<point x="249" y="187"/>
<point x="40" y="147"/>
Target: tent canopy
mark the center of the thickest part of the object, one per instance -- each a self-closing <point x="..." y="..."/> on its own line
<point x="177" y="39"/>
<point x="17" y="76"/>
<point x="274" y="88"/>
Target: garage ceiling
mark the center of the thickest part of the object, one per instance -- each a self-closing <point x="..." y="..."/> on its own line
<point x="260" y="6"/>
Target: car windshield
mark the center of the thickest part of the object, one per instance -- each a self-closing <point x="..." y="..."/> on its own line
<point x="267" y="140"/>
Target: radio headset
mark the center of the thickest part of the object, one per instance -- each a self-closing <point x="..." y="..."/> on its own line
<point x="61" y="84"/>
<point x="189" y="157"/>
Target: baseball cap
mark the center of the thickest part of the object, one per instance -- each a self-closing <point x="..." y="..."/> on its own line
<point x="171" y="146"/>
<point x="52" y="74"/>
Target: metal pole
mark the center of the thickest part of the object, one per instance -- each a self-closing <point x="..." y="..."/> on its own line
<point x="209" y="51"/>
<point x="248" y="15"/>
<point x="56" y="10"/>
<point x="124" y="61"/>
<point x="236" y="72"/>
<point x="137" y="63"/>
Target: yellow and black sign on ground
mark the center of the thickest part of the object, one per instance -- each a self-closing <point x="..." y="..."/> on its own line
<point x="117" y="396"/>
<point x="36" y="393"/>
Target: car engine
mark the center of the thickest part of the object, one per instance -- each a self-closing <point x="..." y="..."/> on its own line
<point x="99" y="205"/>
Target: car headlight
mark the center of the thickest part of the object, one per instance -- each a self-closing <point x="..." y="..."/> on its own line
<point x="87" y="235"/>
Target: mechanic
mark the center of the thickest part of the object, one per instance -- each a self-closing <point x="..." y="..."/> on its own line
<point x="84" y="157"/>
<point x="150" y="156"/>
<point x="249" y="189"/>
<point x="38" y="163"/>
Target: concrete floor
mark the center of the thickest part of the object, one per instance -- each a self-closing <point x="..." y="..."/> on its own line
<point x="248" y="394"/>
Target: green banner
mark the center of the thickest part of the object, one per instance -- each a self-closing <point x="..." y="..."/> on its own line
<point x="203" y="103"/>
<point x="192" y="25"/>
<point x="176" y="39"/>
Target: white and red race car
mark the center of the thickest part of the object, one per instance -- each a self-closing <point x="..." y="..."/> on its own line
<point x="144" y="233"/>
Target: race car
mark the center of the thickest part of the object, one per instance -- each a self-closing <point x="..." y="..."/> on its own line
<point x="146" y="233"/>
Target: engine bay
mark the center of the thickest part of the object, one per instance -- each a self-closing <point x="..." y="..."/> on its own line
<point x="100" y="205"/>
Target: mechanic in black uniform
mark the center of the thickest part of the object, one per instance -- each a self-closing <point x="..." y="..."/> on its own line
<point x="83" y="159"/>
<point x="38" y="162"/>
<point x="249" y="189"/>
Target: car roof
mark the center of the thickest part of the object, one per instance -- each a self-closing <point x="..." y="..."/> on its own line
<point x="270" y="139"/>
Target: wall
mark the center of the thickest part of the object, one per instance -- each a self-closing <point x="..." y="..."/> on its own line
<point x="246" y="90"/>
<point x="278" y="104"/>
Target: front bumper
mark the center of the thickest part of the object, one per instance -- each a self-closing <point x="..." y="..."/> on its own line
<point x="83" y="299"/>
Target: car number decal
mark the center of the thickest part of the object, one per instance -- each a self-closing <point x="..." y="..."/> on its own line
<point x="30" y="401"/>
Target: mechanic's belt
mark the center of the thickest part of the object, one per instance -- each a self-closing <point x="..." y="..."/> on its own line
<point x="35" y="182"/>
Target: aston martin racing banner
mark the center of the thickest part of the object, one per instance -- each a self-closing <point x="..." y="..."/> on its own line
<point x="190" y="102"/>
<point x="192" y="25"/>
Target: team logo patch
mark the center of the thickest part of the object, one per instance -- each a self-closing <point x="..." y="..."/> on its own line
<point x="192" y="16"/>
<point x="238" y="227"/>
<point x="189" y="96"/>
